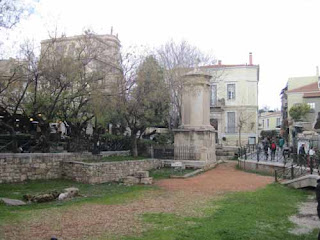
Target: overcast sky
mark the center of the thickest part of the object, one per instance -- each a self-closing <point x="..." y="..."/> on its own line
<point x="283" y="35"/>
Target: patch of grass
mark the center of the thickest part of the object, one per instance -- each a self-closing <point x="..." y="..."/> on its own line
<point x="259" y="215"/>
<point x="164" y="173"/>
<point x="117" y="159"/>
<point x="108" y="193"/>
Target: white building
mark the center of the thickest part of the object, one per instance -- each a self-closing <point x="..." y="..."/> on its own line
<point x="234" y="102"/>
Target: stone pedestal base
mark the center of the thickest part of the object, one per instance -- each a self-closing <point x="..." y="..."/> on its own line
<point x="195" y="144"/>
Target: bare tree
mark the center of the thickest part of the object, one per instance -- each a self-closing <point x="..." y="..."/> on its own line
<point x="246" y="121"/>
<point x="10" y="12"/>
<point x="177" y="59"/>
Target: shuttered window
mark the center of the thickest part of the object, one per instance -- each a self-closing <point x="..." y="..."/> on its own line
<point x="231" y="91"/>
<point x="213" y="97"/>
<point x="231" y="122"/>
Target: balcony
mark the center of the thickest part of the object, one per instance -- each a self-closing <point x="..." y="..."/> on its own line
<point x="218" y="104"/>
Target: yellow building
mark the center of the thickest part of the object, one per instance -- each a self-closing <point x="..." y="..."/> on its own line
<point x="234" y="102"/>
<point x="269" y="121"/>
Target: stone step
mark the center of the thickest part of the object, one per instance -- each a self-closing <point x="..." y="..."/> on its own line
<point x="224" y="158"/>
<point x="224" y="153"/>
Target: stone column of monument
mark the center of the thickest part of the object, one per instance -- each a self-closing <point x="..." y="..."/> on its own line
<point x="195" y="138"/>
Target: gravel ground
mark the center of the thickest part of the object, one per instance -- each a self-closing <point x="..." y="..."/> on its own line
<point x="307" y="218"/>
<point x="181" y="196"/>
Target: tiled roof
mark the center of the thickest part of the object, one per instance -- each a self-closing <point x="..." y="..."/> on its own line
<point x="270" y="114"/>
<point x="228" y="65"/>
<point x="312" y="87"/>
<point x="312" y="95"/>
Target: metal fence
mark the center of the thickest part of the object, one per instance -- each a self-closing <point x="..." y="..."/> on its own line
<point x="176" y="153"/>
<point x="186" y="152"/>
<point x="295" y="164"/>
<point x="163" y="152"/>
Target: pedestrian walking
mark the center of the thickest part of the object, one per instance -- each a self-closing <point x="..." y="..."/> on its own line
<point x="266" y="150"/>
<point x="273" y="150"/>
<point x="281" y="143"/>
<point x="302" y="153"/>
<point x="311" y="159"/>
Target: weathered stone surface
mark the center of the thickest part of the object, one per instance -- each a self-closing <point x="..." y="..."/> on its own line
<point x="131" y="180"/>
<point x="40" y="198"/>
<point x="146" y="181"/>
<point x="72" y="192"/>
<point x="142" y="174"/>
<point x="33" y="166"/>
<point x="12" y="202"/>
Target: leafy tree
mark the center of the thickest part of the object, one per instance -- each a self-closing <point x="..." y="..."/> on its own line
<point x="298" y="112"/>
<point x="142" y="100"/>
<point x="60" y="84"/>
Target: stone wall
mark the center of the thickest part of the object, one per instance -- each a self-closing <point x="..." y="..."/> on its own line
<point x="115" y="153"/>
<point x="20" y="167"/>
<point x="105" y="171"/>
<point x="261" y="167"/>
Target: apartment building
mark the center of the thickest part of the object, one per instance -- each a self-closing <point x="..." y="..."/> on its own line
<point x="234" y="102"/>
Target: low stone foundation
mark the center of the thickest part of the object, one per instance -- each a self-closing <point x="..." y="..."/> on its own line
<point x="106" y="171"/>
<point x="20" y="167"/>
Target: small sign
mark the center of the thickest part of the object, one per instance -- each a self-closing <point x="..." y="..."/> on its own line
<point x="252" y="140"/>
<point x="176" y="164"/>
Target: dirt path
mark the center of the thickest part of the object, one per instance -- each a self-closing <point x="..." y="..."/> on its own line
<point x="181" y="196"/>
<point x="221" y="179"/>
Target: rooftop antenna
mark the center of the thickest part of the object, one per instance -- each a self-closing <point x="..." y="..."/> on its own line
<point x="111" y="30"/>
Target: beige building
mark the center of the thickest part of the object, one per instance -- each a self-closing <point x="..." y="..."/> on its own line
<point x="269" y="121"/>
<point x="13" y="81"/>
<point x="100" y="53"/>
<point x="300" y="90"/>
<point x="234" y="102"/>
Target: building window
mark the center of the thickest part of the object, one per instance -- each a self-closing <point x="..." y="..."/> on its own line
<point x="312" y="105"/>
<point x="231" y="122"/>
<point x="213" y="98"/>
<point x="231" y="91"/>
<point x="278" y="122"/>
<point x="267" y="123"/>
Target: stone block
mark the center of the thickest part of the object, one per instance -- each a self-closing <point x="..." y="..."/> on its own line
<point x="130" y="180"/>
<point x="12" y="202"/>
<point x="146" y="181"/>
<point x="142" y="174"/>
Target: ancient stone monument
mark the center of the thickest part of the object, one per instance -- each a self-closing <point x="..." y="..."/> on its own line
<point x="195" y="138"/>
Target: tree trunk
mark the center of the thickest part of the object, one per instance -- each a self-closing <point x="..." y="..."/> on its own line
<point x="240" y="137"/>
<point x="134" y="145"/>
<point x="14" y="145"/>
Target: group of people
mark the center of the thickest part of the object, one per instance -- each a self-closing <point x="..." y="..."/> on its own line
<point x="271" y="145"/>
<point x="309" y="155"/>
